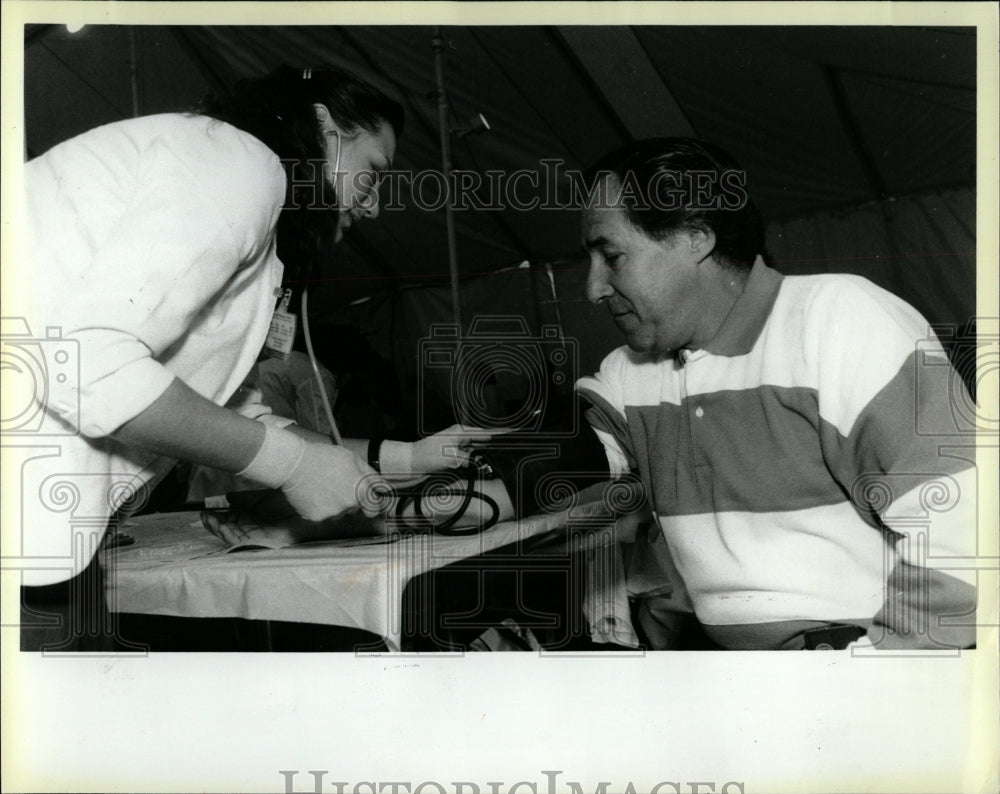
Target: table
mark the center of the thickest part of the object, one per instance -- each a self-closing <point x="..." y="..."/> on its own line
<point x="176" y="568"/>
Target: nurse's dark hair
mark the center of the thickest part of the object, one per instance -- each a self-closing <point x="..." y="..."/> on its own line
<point x="278" y="109"/>
<point x="671" y="184"/>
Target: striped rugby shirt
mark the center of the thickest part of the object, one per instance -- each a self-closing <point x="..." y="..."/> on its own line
<point x="801" y="460"/>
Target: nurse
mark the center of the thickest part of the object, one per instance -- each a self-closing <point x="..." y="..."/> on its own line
<point x="155" y="248"/>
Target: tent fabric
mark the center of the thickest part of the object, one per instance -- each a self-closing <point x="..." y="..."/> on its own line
<point x="803" y="109"/>
<point x="921" y="247"/>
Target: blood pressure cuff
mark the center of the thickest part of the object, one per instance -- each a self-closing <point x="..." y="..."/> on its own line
<point x="543" y="467"/>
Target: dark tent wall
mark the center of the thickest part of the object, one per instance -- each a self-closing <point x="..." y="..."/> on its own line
<point x="518" y="319"/>
<point x="858" y="142"/>
<point x="921" y="247"/>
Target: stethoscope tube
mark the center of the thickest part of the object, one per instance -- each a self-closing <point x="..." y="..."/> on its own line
<point x="324" y="397"/>
<point x="437" y="485"/>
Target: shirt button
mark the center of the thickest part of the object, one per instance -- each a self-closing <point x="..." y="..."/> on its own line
<point x="699" y="412"/>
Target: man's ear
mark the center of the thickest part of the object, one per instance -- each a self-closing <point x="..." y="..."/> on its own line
<point x="702" y="241"/>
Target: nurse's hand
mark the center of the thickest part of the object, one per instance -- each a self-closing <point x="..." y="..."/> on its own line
<point x="329" y="481"/>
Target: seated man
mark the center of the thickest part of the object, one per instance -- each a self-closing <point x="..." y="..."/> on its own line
<point x="778" y="423"/>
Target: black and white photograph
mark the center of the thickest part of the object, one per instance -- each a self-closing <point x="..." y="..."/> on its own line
<point x="346" y="344"/>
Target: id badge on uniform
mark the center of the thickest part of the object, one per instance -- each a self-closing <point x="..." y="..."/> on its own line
<point x="281" y="334"/>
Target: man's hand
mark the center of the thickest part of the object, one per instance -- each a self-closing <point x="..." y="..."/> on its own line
<point x="237" y="528"/>
<point x="265" y="518"/>
<point x="448" y="449"/>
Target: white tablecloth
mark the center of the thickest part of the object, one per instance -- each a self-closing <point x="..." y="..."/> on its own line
<point x="176" y="568"/>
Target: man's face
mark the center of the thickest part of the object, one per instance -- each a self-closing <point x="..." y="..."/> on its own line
<point x="651" y="287"/>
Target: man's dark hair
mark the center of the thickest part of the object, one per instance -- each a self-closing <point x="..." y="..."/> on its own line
<point x="277" y="109"/>
<point x="670" y="184"/>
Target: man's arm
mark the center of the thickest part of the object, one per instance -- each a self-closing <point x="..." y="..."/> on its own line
<point x="892" y="439"/>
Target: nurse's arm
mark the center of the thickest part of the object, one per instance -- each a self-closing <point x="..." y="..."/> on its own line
<point x="182" y="424"/>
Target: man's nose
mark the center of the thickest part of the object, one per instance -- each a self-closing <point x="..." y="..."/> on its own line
<point x="598" y="288"/>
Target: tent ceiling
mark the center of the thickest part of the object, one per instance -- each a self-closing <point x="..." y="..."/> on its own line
<point x="820" y="117"/>
<point x="624" y="74"/>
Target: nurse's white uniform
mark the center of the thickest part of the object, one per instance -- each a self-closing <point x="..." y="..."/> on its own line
<point x="151" y="255"/>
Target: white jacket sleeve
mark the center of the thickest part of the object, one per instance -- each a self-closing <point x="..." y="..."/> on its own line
<point x="192" y="212"/>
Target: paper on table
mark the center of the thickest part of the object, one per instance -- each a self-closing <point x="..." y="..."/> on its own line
<point x="279" y="533"/>
<point x="164" y="536"/>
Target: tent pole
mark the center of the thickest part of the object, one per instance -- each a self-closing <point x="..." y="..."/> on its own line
<point x="449" y="221"/>
<point x="133" y="50"/>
